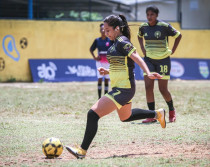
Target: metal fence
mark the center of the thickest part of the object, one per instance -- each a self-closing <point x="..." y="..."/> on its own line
<point x="192" y="14"/>
<point x="78" y="10"/>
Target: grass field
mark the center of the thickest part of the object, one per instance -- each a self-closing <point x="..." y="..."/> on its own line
<point x="32" y="112"/>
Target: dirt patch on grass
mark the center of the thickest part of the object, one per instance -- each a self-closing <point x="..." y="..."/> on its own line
<point x="132" y="150"/>
<point x="151" y="150"/>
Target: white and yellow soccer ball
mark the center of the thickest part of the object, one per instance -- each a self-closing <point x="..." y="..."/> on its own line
<point x="52" y="147"/>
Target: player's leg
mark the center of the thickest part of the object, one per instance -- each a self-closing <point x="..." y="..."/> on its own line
<point x="100" y="78"/>
<point x="106" y="82"/>
<point x="99" y="87"/>
<point x="106" y="85"/>
<point x="127" y="114"/>
<point x="164" y="67"/>
<point x="163" y="87"/>
<point x="101" y="108"/>
<point x="149" y="87"/>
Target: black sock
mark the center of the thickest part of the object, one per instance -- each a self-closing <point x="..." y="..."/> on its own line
<point x="91" y="129"/>
<point x="138" y="113"/>
<point x="151" y="105"/>
<point x="170" y="105"/>
<point x="106" y="88"/>
<point x="99" y="91"/>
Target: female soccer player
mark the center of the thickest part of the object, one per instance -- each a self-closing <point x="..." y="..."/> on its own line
<point x="157" y="57"/>
<point x="102" y="44"/>
<point x="121" y="56"/>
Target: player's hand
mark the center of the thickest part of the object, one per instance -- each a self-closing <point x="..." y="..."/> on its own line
<point x="154" y="76"/>
<point x="97" y="58"/>
<point x="103" y="71"/>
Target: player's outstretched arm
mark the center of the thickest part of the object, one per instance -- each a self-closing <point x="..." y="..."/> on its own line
<point x="136" y="58"/>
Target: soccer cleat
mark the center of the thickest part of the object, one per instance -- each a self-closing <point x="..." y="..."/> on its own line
<point x="161" y="117"/>
<point x="78" y="152"/>
<point x="149" y="120"/>
<point x="172" y="116"/>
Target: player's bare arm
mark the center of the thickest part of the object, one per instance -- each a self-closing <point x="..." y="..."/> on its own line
<point x="176" y="43"/>
<point x="142" y="45"/>
<point x="135" y="57"/>
<point x="94" y="57"/>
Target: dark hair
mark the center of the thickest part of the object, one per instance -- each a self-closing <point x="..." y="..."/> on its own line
<point x="101" y="24"/>
<point x="153" y="8"/>
<point x="120" y="21"/>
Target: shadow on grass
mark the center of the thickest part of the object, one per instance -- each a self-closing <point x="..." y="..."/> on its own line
<point x="140" y="123"/>
<point x="125" y="156"/>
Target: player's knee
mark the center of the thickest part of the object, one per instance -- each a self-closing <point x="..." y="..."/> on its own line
<point x="92" y="115"/>
<point x="122" y="120"/>
<point x="163" y="90"/>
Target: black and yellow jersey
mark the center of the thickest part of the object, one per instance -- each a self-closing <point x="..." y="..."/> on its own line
<point x="156" y="39"/>
<point x="121" y="65"/>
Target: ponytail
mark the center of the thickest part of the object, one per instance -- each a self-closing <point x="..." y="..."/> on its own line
<point x="120" y="21"/>
<point x="125" y="29"/>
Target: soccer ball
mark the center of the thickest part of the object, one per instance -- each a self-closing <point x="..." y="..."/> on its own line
<point x="52" y="147"/>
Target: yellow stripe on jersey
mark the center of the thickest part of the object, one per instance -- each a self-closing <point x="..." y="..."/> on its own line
<point x="119" y="39"/>
<point x="177" y="34"/>
<point x="118" y="72"/>
<point x="139" y="35"/>
<point x="157" y="49"/>
<point x="162" y="24"/>
<point x="130" y="53"/>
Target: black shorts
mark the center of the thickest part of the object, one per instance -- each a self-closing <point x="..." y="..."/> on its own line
<point x="121" y="96"/>
<point x="161" y="66"/>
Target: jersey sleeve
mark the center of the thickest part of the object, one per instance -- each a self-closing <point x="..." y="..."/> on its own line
<point x="94" y="45"/>
<point x="141" y="30"/>
<point x="140" y="33"/>
<point x="126" y="48"/>
<point x="173" y="32"/>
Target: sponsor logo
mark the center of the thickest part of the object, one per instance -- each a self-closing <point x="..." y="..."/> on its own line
<point x="145" y="35"/>
<point x="47" y="72"/>
<point x="81" y="71"/>
<point x="203" y="68"/>
<point x="177" y="69"/>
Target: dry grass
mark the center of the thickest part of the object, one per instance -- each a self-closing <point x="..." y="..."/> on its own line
<point x="32" y="112"/>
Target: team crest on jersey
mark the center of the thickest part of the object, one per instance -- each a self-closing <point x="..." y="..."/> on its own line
<point x="157" y="34"/>
<point x="112" y="49"/>
<point x="203" y="68"/>
<point x="128" y="47"/>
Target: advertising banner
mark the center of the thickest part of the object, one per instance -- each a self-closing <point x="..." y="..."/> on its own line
<point x="67" y="70"/>
<point x="63" y="70"/>
<point x="190" y="69"/>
